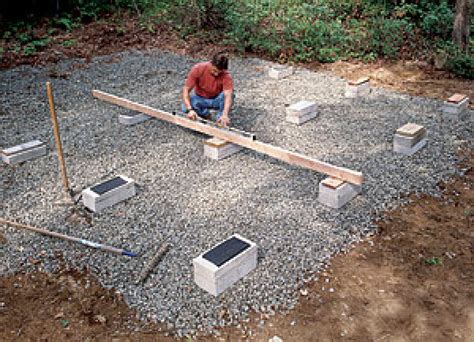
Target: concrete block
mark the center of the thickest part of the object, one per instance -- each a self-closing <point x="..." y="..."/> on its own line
<point x="106" y="194"/>
<point x="409" y="139"/>
<point x="298" y="120"/>
<point x="23" y="152"/>
<point x="335" y="193"/>
<point x="455" y="106"/>
<point x="408" y="142"/>
<point x="300" y="112"/>
<point x="301" y="108"/>
<point x="218" y="149"/>
<point x="133" y="119"/>
<point x="360" y="87"/>
<point x="408" y="151"/>
<point x="224" y="264"/>
<point x="279" y="71"/>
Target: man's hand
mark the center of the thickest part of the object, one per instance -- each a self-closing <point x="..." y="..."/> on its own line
<point x="223" y="120"/>
<point x="192" y="115"/>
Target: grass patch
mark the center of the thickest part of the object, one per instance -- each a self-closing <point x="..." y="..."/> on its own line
<point x="68" y="43"/>
<point x="434" y="261"/>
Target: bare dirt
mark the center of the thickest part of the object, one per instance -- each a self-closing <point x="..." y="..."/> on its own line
<point x="412" y="281"/>
<point x="113" y="33"/>
<point x="414" y="78"/>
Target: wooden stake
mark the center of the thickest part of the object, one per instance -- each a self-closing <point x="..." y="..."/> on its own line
<point x="152" y="263"/>
<point x="290" y="157"/>
<point x="57" y="137"/>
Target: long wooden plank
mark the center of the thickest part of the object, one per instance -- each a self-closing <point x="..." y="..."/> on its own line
<point x="290" y="157"/>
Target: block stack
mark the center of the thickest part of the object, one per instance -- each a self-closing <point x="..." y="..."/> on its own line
<point x="301" y="112"/>
<point x="279" y="71"/>
<point x="409" y="139"/>
<point x="223" y="265"/>
<point x="335" y="193"/>
<point x="358" y="88"/>
<point x="455" y="106"/>
<point x="218" y="149"/>
<point x="23" y="152"/>
<point x="104" y="195"/>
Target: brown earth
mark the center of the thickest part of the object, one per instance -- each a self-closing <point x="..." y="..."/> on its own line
<point x="413" y="281"/>
<point x="415" y="78"/>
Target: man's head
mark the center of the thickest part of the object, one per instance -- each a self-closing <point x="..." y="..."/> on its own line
<point x="219" y="63"/>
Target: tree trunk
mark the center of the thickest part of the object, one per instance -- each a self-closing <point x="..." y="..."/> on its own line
<point x="462" y="23"/>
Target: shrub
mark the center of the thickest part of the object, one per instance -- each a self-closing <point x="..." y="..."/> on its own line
<point x="461" y="65"/>
<point x="387" y="36"/>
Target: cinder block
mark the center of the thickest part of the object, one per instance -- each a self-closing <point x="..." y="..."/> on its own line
<point x="218" y="149"/>
<point x="23" y="152"/>
<point x="360" y="87"/>
<point x="409" y="139"/>
<point x="280" y="71"/>
<point x="224" y="264"/>
<point x="106" y="194"/>
<point x="408" y="151"/>
<point x="455" y="106"/>
<point x="133" y="119"/>
<point x="301" y="112"/>
<point x="335" y="193"/>
<point x="408" y="142"/>
<point x="298" y="120"/>
<point x="301" y="108"/>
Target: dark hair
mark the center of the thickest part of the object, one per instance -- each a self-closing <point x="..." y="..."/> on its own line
<point x="220" y="61"/>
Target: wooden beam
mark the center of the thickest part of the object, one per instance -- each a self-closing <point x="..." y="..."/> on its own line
<point x="294" y="158"/>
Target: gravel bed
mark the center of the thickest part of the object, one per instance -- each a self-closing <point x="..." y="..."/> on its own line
<point x="193" y="202"/>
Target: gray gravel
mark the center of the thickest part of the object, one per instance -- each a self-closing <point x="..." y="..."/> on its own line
<point x="193" y="202"/>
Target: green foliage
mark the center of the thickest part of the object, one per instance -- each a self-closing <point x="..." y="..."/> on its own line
<point x="248" y="31"/>
<point x="68" y="43"/>
<point x="434" y="261"/>
<point x="32" y="45"/>
<point x="24" y="37"/>
<point x="64" y="322"/>
<point x="29" y="50"/>
<point x="64" y="22"/>
<point x="290" y="30"/>
<point x="461" y="65"/>
<point x="7" y="34"/>
<point x="41" y="43"/>
<point x="387" y="36"/>
<point x="322" y="30"/>
<point x="91" y="9"/>
<point x="434" y="19"/>
<point x="457" y="61"/>
<point x="438" y="20"/>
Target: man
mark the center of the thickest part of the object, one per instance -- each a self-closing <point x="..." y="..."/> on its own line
<point x="213" y="89"/>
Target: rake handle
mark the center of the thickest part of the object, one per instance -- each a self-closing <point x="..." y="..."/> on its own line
<point x="57" y="137"/>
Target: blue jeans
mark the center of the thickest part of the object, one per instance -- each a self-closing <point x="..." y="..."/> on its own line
<point x="202" y="105"/>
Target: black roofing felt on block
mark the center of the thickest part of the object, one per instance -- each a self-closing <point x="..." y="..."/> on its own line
<point x="227" y="250"/>
<point x="102" y="188"/>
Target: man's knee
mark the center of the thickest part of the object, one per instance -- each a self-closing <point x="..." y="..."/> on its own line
<point x="221" y="98"/>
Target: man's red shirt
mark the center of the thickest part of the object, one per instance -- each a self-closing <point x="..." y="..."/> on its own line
<point x="207" y="85"/>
